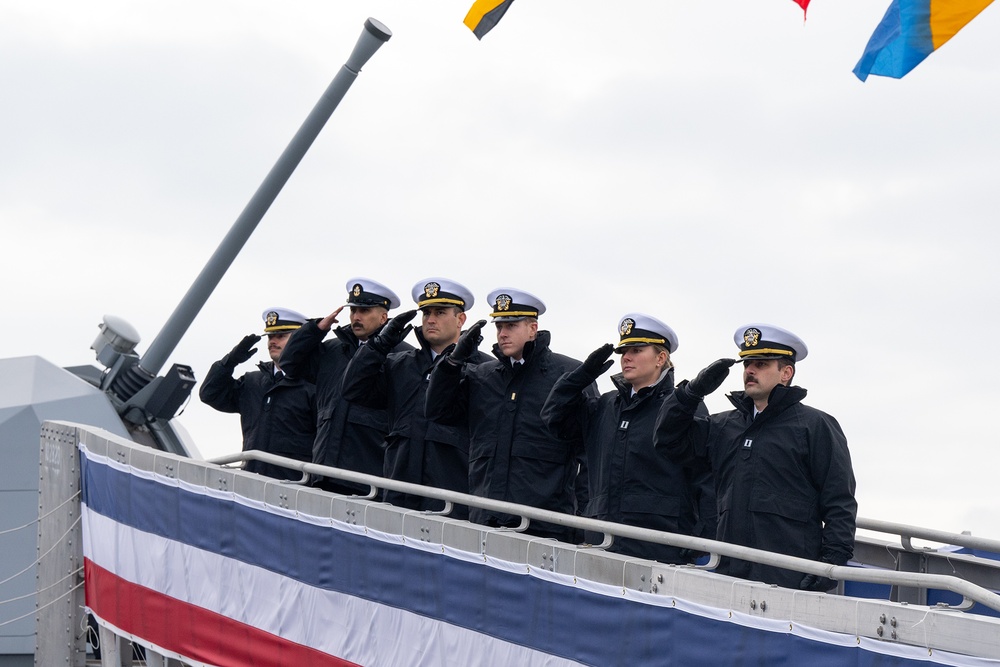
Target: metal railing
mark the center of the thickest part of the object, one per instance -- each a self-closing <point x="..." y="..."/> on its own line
<point x="907" y="533"/>
<point x="935" y="629"/>
<point x="970" y="592"/>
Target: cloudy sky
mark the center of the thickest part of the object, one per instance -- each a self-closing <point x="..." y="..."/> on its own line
<point x="712" y="164"/>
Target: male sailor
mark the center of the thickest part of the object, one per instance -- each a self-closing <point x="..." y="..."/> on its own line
<point x="277" y="413"/>
<point x="512" y="454"/>
<point x="417" y="449"/>
<point x="347" y="436"/>
<point x="782" y="469"/>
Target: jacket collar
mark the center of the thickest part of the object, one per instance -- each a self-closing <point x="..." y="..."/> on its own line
<point x="782" y="397"/>
<point x="539" y="347"/>
<point x="346" y="335"/>
<point x="662" y="386"/>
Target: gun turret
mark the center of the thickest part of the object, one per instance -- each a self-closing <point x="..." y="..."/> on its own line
<point x="130" y="379"/>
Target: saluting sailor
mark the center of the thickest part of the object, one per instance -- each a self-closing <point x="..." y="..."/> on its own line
<point x="512" y="455"/>
<point x="417" y="449"/>
<point x="347" y="436"/>
<point x="630" y="482"/>
<point x="782" y="469"/>
<point x="277" y="413"/>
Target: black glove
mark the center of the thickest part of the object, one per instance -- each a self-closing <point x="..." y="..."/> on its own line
<point x="692" y="555"/>
<point x="598" y="362"/>
<point x="710" y="378"/>
<point x="243" y="351"/>
<point x="815" y="582"/>
<point x="393" y="333"/>
<point x="467" y="343"/>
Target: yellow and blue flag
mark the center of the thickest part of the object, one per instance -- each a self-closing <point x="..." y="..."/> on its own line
<point x="910" y="31"/>
<point x="484" y="14"/>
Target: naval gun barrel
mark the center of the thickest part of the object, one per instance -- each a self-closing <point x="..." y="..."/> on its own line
<point x="372" y="37"/>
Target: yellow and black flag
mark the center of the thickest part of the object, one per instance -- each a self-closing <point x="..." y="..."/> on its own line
<point x="485" y="14"/>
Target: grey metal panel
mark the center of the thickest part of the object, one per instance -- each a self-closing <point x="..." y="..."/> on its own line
<point x="314" y="503"/>
<point x="639" y="576"/>
<point x="348" y="510"/>
<point x="506" y="545"/>
<point x="188" y="471"/>
<point x="220" y="479"/>
<point x="463" y="536"/>
<point x="424" y="527"/>
<point x="60" y="538"/>
<point x="543" y="554"/>
<point x="280" y="495"/>
<point x="95" y="442"/>
<point x="249" y="485"/>
<point x="605" y="567"/>
<point x="19" y="427"/>
<point x="19" y="550"/>
<point x="383" y="518"/>
<point x="167" y="465"/>
<point x="144" y="459"/>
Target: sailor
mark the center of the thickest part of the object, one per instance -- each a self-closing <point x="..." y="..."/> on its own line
<point x="277" y="413"/>
<point x="782" y="469"/>
<point x="630" y="482"/>
<point x="512" y="455"/>
<point x="417" y="449"/>
<point x="347" y="436"/>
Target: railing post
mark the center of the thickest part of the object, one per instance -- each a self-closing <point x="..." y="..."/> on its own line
<point x="60" y="637"/>
<point x="114" y="649"/>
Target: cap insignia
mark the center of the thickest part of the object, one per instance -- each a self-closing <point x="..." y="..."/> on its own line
<point x="272" y="319"/>
<point x="503" y="302"/>
<point x="431" y="290"/>
<point x="625" y="328"/>
<point x="751" y="337"/>
<point x="356" y="290"/>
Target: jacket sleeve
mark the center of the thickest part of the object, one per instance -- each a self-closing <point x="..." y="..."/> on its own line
<point x="680" y="433"/>
<point x="219" y="390"/>
<point x="447" y="400"/>
<point x="833" y="475"/>
<point x="364" y="379"/>
<point x="703" y="498"/>
<point x="300" y="358"/>
<point x="702" y="483"/>
<point x="564" y="410"/>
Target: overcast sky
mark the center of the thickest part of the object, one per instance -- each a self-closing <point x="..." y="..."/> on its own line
<point x="711" y="164"/>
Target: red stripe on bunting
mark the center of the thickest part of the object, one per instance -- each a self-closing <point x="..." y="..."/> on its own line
<point x="189" y="630"/>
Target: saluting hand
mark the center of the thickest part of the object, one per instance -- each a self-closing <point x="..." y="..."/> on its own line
<point x="467" y="343"/>
<point x="393" y="333"/>
<point x="327" y="322"/>
<point x="243" y="350"/>
<point x="598" y="361"/>
<point x="710" y="378"/>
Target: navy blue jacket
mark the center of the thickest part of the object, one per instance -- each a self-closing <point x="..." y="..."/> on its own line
<point x="784" y="480"/>
<point x="630" y="482"/>
<point x="512" y="454"/>
<point x="347" y="436"/>
<point x="416" y="450"/>
<point x="277" y="417"/>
